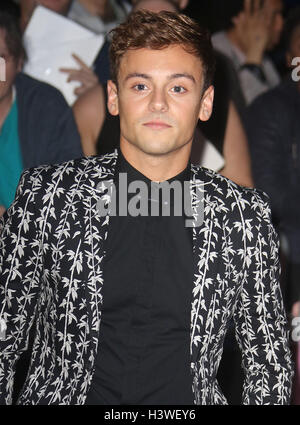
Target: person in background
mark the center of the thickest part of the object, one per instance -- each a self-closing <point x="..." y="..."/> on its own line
<point x="99" y="16"/>
<point x="36" y="125"/>
<point x="82" y="73"/>
<point x="273" y="129"/>
<point x="27" y="8"/>
<point x="225" y="129"/>
<point x="253" y="28"/>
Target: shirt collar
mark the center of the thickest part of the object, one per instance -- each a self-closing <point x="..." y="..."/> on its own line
<point x="133" y="174"/>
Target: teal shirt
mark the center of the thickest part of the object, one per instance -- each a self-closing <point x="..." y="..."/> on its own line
<point x="11" y="165"/>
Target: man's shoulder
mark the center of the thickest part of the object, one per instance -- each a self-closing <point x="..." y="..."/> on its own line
<point x="65" y="174"/>
<point x="93" y="169"/>
<point x="228" y="196"/>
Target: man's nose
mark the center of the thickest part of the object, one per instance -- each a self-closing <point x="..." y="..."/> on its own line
<point x="158" y="101"/>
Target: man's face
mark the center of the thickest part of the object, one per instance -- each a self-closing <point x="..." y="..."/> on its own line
<point x="58" y="6"/>
<point x="276" y="27"/>
<point x="159" y="99"/>
<point x="12" y="67"/>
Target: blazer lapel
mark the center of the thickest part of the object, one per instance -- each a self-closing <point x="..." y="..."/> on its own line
<point x="202" y="287"/>
<point x="95" y="227"/>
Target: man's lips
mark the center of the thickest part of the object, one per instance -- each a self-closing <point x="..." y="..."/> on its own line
<point x="157" y="125"/>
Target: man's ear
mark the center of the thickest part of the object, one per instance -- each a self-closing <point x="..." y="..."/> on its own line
<point x="206" y="104"/>
<point x="112" y="98"/>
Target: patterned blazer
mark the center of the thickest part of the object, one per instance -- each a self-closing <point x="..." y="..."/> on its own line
<point x="51" y="275"/>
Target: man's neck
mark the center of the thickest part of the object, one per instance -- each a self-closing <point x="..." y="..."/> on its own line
<point x="5" y="105"/>
<point x="157" y="168"/>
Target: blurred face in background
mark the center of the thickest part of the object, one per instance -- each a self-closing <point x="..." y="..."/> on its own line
<point x="277" y="22"/>
<point x="13" y="66"/>
<point x="294" y="47"/>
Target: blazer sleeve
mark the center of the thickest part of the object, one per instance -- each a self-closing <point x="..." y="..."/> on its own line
<point x="20" y="271"/>
<point x="260" y="319"/>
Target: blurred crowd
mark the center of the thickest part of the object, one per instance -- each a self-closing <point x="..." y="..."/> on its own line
<point x="253" y="136"/>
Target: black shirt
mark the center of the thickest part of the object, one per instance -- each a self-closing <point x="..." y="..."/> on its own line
<point x="144" y="339"/>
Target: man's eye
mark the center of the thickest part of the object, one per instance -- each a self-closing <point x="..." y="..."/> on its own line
<point x="140" y="87"/>
<point x="178" y="89"/>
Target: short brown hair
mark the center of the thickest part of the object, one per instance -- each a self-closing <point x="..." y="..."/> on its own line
<point x="145" y="29"/>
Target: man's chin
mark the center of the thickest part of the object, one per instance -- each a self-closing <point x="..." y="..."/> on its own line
<point x="161" y="147"/>
<point x="157" y="149"/>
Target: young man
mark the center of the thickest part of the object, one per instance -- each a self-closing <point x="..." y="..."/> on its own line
<point x="134" y="309"/>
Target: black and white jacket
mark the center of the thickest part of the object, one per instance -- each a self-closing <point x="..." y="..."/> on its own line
<point x="51" y="274"/>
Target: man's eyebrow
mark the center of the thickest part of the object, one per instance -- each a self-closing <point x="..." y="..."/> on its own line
<point x="170" y="77"/>
<point x="137" y="74"/>
<point x="182" y="75"/>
